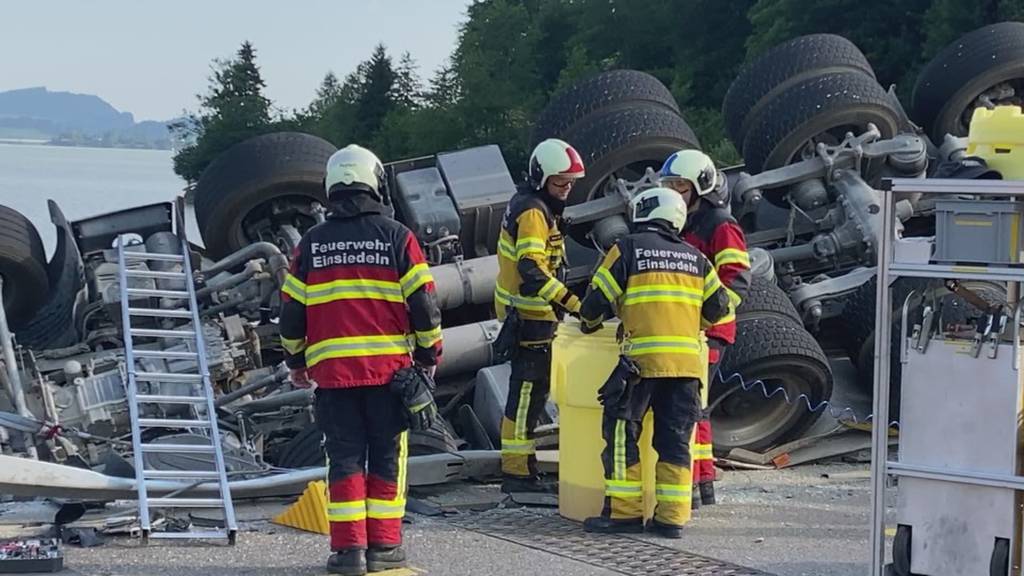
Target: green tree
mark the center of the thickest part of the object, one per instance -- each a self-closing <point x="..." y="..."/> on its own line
<point x="496" y="63"/>
<point x="947" y="20"/>
<point x="436" y="125"/>
<point x="375" y="96"/>
<point x="233" y="110"/>
<point x="407" y="91"/>
<point x="890" y="34"/>
<point x="329" y="92"/>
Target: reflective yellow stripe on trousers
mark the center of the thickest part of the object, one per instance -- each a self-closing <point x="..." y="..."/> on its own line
<point x="673" y="493"/>
<point x="703" y="452"/>
<point x="520" y="444"/>
<point x="351" y="511"/>
<point x="390" y="509"/>
<point x="618" y="486"/>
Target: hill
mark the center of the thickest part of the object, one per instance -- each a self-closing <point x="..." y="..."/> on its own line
<point x="67" y="118"/>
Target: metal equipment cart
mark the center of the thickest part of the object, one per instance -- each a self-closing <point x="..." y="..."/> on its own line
<point x="959" y="466"/>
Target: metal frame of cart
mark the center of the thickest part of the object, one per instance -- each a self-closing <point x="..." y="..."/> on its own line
<point x="889" y="270"/>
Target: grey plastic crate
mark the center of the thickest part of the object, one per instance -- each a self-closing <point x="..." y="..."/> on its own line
<point x="979" y="231"/>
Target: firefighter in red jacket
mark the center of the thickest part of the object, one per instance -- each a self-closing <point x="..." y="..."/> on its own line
<point x="360" y="319"/>
<point x="711" y="229"/>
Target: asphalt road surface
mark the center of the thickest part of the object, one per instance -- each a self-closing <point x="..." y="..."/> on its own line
<point x="805" y="521"/>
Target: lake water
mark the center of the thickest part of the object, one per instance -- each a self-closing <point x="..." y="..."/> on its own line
<point x="83" y="181"/>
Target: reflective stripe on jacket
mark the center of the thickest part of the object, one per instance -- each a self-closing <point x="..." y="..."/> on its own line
<point x="359" y="301"/>
<point x="716" y="234"/>
<point x="664" y="291"/>
<point x="530" y="260"/>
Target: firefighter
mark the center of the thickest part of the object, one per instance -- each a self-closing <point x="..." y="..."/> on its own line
<point x="530" y="299"/>
<point x="712" y="230"/>
<point x="664" y="291"/>
<point x="360" y="319"/>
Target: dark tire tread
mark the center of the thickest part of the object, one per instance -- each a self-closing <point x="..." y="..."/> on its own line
<point x="782" y="66"/>
<point x="252" y="172"/>
<point x="569" y="107"/>
<point x="23" y="267"/>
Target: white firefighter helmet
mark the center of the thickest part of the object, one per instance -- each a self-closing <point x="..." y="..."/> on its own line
<point x="554" y="157"/>
<point x="693" y="166"/>
<point x="659" y="204"/>
<point x="355" y="168"/>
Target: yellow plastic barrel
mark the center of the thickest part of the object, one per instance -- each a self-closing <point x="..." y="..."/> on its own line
<point x="580" y="364"/>
<point x="997" y="135"/>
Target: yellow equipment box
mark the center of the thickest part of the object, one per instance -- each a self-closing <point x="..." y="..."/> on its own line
<point x="997" y="135"/>
<point x="580" y="364"/>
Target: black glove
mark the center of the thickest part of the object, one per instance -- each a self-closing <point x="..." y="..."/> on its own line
<point x="508" y="337"/>
<point x="414" y="387"/>
<point x="587" y="329"/>
<point x="614" y="390"/>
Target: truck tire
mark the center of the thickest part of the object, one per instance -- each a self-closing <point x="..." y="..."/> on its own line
<point x="859" y="328"/>
<point x="623" y="143"/>
<point x="999" y="564"/>
<point x="766" y="299"/>
<point x="901" y="550"/>
<point x="781" y="354"/>
<point x="53" y="325"/>
<point x="620" y="88"/>
<point x="859" y="324"/>
<point x="237" y="189"/>
<point x="781" y="67"/>
<point x="303" y="450"/>
<point x="822" y="108"/>
<point x="947" y="90"/>
<point x="22" y="266"/>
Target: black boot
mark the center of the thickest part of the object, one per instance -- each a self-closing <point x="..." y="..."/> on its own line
<point x="695" y="499"/>
<point x="381" y="559"/>
<point x="707" y="493"/>
<point x="606" y="525"/>
<point x="512" y="484"/>
<point x="666" y="530"/>
<point x="347" y="562"/>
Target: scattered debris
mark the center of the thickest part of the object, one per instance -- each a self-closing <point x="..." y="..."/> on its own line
<point x="535" y="499"/>
<point x="84" y="537"/>
<point x="423" y="507"/>
<point x="853" y="475"/>
<point x="838" y="442"/>
<point x="36" y="555"/>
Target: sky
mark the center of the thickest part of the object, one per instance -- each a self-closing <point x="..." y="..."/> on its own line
<point x="152" y="57"/>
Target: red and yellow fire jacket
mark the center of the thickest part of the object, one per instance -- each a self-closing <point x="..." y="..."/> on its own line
<point x="714" y="232"/>
<point x="359" y="302"/>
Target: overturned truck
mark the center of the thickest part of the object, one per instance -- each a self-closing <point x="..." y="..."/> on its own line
<point x="817" y="133"/>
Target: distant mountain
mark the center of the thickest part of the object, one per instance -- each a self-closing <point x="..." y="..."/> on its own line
<point x="76" y="120"/>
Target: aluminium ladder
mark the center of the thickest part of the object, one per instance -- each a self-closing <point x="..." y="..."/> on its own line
<point x="200" y="402"/>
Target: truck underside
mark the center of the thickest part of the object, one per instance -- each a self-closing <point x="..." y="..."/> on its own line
<point x="818" y="134"/>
